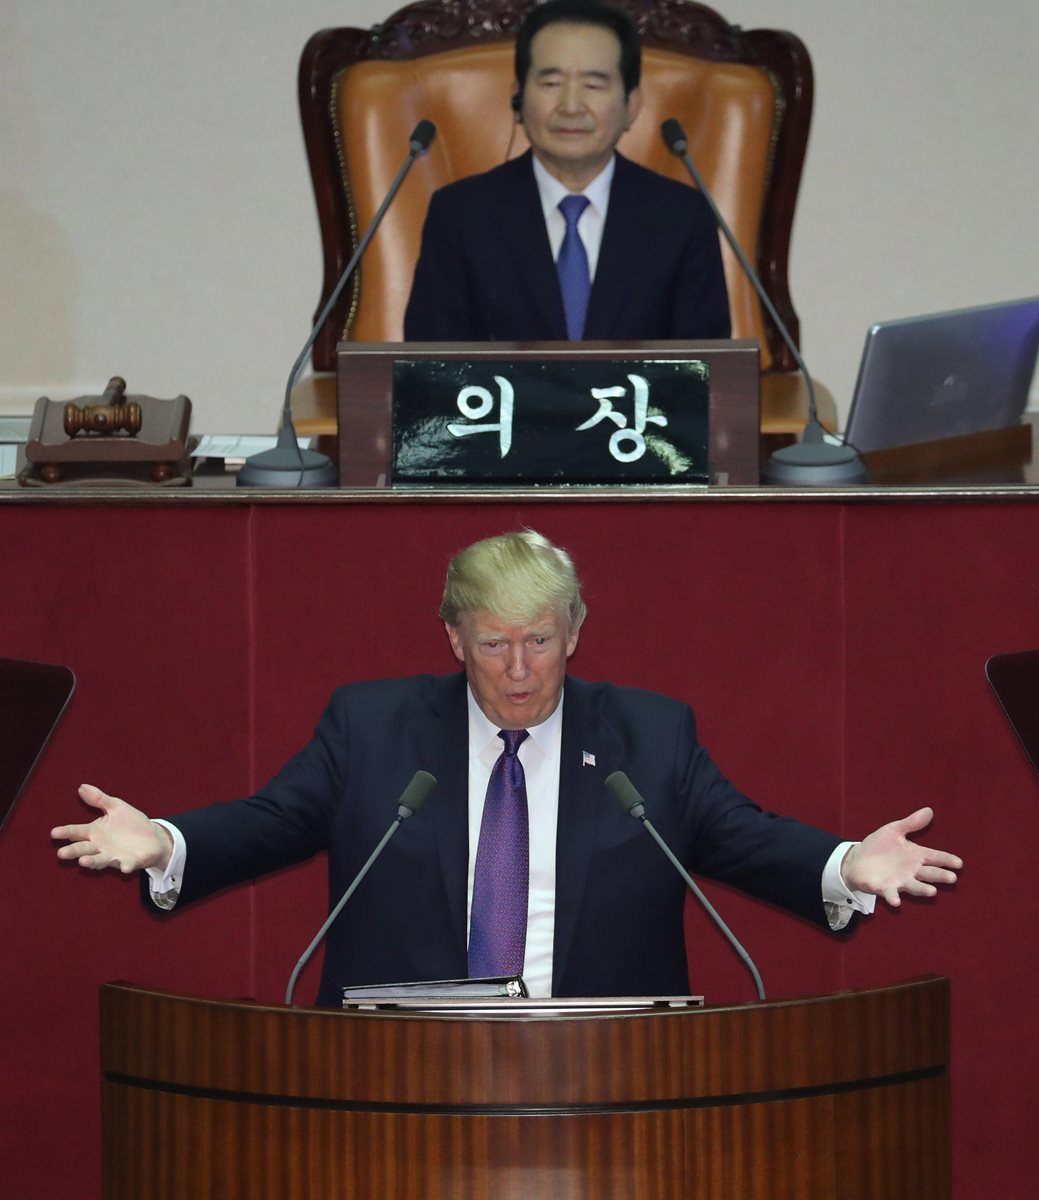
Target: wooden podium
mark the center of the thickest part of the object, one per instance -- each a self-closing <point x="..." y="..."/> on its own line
<point x="843" y="1095"/>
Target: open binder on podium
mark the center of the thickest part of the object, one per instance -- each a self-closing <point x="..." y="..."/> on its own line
<point x="504" y="996"/>
<point x="505" y="987"/>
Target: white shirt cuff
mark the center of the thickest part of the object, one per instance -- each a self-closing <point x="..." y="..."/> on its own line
<point x="164" y="886"/>
<point x="838" y="899"/>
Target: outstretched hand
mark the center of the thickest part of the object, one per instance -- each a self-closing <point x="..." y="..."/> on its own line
<point x="122" y="837"/>
<point x="887" y="863"/>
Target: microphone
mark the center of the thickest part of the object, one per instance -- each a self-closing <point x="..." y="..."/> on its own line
<point x="627" y="796"/>
<point x="813" y="461"/>
<point x="287" y="465"/>
<point x="411" y="800"/>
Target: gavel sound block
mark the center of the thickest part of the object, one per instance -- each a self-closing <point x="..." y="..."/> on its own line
<point x="114" y="434"/>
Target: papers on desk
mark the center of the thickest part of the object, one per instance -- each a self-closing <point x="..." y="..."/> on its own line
<point x="236" y="448"/>
<point x="233" y="449"/>
<point x="14" y="432"/>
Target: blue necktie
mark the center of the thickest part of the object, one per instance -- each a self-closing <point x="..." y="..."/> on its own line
<point x="572" y="267"/>
<point x="498" y="917"/>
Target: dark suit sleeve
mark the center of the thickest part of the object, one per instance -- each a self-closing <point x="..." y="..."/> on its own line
<point x="441" y="305"/>
<point x="775" y="858"/>
<point x="700" y="303"/>
<point x="716" y="830"/>
<point x="286" y="822"/>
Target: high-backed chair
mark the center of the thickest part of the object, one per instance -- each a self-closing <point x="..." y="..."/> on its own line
<point x="743" y="97"/>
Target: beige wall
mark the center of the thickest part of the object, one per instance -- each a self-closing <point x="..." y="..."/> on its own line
<point x="156" y="219"/>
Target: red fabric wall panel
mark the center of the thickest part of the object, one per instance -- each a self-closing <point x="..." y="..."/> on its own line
<point x="146" y="608"/>
<point x="931" y="595"/>
<point x="834" y="655"/>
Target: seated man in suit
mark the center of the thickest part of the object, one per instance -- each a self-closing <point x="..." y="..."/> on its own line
<point x="570" y="241"/>
<point x="519" y="863"/>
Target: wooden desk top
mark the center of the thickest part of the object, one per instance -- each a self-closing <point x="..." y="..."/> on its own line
<point x="1005" y="467"/>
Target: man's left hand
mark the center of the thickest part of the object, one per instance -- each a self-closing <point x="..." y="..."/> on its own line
<point x="887" y="863"/>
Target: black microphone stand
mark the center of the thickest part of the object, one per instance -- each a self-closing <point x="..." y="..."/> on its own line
<point x="412" y="799"/>
<point x="287" y="465"/>
<point x="812" y="462"/>
<point x="628" y="797"/>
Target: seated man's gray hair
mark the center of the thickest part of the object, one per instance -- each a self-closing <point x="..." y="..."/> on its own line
<point x="515" y="577"/>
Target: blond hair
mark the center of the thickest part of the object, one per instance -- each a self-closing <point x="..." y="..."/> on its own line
<point x="514" y="577"/>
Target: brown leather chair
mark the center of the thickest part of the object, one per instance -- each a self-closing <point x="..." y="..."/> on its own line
<point x="743" y="97"/>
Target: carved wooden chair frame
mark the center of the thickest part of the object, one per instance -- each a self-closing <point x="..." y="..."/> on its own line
<point x="432" y="26"/>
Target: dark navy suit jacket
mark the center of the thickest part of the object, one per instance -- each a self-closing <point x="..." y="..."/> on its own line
<point x="618" y="926"/>
<point x="485" y="271"/>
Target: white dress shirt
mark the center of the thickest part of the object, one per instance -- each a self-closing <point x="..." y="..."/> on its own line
<point x="592" y="220"/>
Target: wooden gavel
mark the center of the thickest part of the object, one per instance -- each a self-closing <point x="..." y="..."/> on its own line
<point x="108" y="417"/>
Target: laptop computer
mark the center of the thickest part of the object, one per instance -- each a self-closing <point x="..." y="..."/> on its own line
<point x="33" y="697"/>
<point x="944" y="375"/>
<point x="1015" y="680"/>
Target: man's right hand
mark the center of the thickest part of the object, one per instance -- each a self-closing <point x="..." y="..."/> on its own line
<point x="121" y="837"/>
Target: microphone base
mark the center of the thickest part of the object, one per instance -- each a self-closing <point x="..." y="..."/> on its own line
<point x="814" y="462"/>
<point x="283" y="467"/>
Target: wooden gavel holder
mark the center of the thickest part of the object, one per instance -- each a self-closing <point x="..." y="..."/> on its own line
<point x="113" y="434"/>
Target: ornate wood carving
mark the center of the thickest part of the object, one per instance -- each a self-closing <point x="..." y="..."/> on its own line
<point x="434" y="25"/>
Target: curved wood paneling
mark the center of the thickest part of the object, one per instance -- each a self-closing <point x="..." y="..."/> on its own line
<point x="206" y="1098"/>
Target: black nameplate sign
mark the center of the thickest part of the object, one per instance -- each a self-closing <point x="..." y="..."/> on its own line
<point x="491" y="421"/>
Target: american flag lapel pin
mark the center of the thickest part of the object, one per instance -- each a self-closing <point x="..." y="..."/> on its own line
<point x="587" y="759"/>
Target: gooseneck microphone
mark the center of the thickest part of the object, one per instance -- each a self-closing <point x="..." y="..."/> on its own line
<point x="813" y="461"/>
<point x="287" y="465"/>
<point x="411" y="800"/>
<point x="627" y="796"/>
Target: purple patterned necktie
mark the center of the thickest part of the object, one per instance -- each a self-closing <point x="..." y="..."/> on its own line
<point x="498" y="918"/>
<point x="572" y="268"/>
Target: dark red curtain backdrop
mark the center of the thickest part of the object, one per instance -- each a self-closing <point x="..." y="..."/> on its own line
<point x="834" y="654"/>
